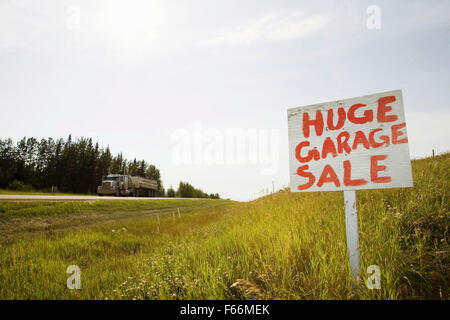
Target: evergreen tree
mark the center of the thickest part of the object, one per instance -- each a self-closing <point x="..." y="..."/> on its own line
<point x="74" y="166"/>
<point x="171" y="192"/>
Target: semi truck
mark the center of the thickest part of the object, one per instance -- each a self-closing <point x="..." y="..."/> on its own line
<point x="126" y="185"/>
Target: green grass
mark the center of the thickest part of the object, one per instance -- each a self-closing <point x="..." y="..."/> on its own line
<point x="40" y="193"/>
<point x="282" y="246"/>
<point x="23" y="219"/>
<point x="105" y="238"/>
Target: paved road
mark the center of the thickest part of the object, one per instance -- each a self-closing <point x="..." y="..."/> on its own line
<point x="14" y="197"/>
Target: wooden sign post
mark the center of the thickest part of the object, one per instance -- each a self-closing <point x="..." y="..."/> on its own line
<point x="351" y="230"/>
<point x="348" y="145"/>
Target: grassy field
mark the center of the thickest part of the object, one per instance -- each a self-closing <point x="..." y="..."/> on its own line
<point x="41" y="193"/>
<point x="282" y="246"/>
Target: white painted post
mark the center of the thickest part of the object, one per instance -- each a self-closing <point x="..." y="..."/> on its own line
<point x="351" y="229"/>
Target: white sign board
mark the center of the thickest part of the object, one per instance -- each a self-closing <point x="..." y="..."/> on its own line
<point x="358" y="143"/>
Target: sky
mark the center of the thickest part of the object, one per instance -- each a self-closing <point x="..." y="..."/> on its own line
<point x="201" y="88"/>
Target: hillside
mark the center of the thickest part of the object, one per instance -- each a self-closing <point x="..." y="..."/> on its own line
<point x="282" y="246"/>
<point x="292" y="246"/>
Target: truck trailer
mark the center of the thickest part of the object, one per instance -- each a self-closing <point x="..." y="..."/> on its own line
<point x="126" y="185"/>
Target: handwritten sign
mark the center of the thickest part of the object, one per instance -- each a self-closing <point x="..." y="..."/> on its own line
<point x="358" y="143"/>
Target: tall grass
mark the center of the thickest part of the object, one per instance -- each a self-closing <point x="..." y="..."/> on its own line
<point x="33" y="264"/>
<point x="292" y="246"/>
<point x="282" y="246"/>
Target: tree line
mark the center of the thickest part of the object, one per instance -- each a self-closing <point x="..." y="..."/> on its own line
<point x="71" y="166"/>
<point x="186" y="190"/>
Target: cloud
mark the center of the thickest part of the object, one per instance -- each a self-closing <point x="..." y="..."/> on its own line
<point x="426" y="131"/>
<point x="271" y="27"/>
<point x="103" y="32"/>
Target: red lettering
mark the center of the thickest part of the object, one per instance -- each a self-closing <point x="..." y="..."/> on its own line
<point x="348" y="176"/>
<point x="341" y="119"/>
<point x="328" y="175"/>
<point x="368" y="114"/>
<point x="314" y="153"/>
<point x="383" y="108"/>
<point x="311" y="179"/>
<point x="375" y="168"/>
<point x="396" y="133"/>
<point x="328" y="147"/>
<point x="298" y="151"/>
<point x="375" y="144"/>
<point x="318" y="123"/>
<point x="360" y="138"/>
<point x="343" y="145"/>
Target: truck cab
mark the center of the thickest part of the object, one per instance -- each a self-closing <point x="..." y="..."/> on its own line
<point x="113" y="184"/>
<point x="125" y="185"/>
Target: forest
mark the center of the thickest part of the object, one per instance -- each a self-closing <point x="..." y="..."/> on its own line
<point x="73" y="166"/>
